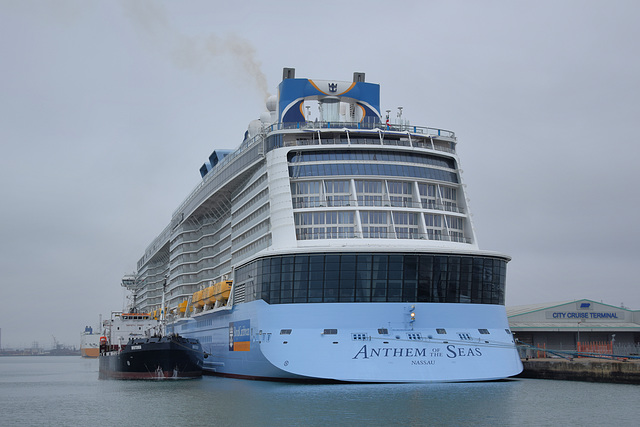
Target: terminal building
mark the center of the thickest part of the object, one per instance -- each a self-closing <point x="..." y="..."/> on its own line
<point x="582" y="325"/>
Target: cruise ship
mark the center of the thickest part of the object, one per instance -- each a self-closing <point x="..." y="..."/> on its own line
<point x="334" y="243"/>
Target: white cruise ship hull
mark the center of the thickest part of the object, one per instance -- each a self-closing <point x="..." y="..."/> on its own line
<point x="343" y="342"/>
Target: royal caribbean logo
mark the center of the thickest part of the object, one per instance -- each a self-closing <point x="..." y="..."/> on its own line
<point x="333" y="87"/>
<point x="239" y="335"/>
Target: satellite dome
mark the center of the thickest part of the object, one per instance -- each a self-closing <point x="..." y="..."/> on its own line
<point x="265" y="118"/>
<point x="272" y="103"/>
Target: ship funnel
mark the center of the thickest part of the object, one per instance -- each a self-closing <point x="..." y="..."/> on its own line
<point x="288" y="73"/>
<point x="358" y="77"/>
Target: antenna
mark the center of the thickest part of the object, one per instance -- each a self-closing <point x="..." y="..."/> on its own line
<point x="133" y="284"/>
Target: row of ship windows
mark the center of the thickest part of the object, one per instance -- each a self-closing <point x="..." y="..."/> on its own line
<point x="371" y="187"/>
<point x="349" y="277"/>
<point x="277" y="141"/>
<point x="363" y="336"/>
<point x="194" y="253"/>
<point x="188" y="240"/>
<point x="261" y="227"/>
<point x="376" y="217"/>
<point x="253" y="247"/>
<point x="337" y="193"/>
<point x="375" y="169"/>
<point x="386" y="232"/>
<point x="255" y="184"/>
<point x="385" y="331"/>
<point x="204" y="261"/>
<point x="258" y="197"/>
<point x="255" y="214"/>
<point x="372" y="201"/>
<point x="369" y="155"/>
<point x="374" y="225"/>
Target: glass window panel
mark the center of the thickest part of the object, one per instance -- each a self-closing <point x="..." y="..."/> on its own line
<point x="300" y="279"/>
<point x="315" y="295"/>
<point x="330" y="295"/>
<point x="316" y="284"/>
<point x="332" y="258"/>
<point x="347" y="278"/>
<point x="348" y="262"/>
<point x="300" y="295"/>
<point x="274" y="297"/>
<point x="332" y="278"/>
<point x="409" y="290"/>
<point x="394" y="291"/>
<point x="395" y="274"/>
<point x="347" y="295"/>
<point x="364" y="262"/>
<point x="379" y="289"/>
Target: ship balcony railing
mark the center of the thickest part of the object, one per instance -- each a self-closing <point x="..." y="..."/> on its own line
<point x="374" y="203"/>
<point x="442" y="207"/>
<point x="402" y="127"/>
<point x="308" y="234"/>
<point x="323" y="203"/>
<point x="367" y="141"/>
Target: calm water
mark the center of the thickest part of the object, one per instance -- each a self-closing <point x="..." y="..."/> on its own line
<point x="66" y="391"/>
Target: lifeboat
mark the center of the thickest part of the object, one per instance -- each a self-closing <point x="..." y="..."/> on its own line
<point x="222" y="290"/>
<point x="208" y="295"/>
<point x="182" y="307"/>
<point x="198" y="301"/>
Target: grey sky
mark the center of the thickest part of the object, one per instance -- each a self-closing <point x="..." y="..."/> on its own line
<point x="108" y="109"/>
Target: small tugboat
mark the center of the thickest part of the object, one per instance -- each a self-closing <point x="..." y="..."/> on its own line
<point x="135" y="346"/>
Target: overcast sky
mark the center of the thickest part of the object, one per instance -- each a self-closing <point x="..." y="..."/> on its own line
<point x="108" y="109"/>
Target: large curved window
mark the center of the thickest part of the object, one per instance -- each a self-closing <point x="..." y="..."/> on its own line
<point x="382" y="163"/>
<point x="366" y="169"/>
<point x="375" y="277"/>
<point x="369" y="155"/>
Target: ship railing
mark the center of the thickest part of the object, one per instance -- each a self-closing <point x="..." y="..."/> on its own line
<point x="430" y="138"/>
<point x="402" y="127"/>
<point x="302" y="204"/>
<point x="254" y="144"/>
<point x="365" y="141"/>
<point x="310" y="234"/>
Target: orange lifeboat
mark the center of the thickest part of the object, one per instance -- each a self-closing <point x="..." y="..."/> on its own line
<point x="182" y="307"/>
<point x="222" y="290"/>
<point x="198" y="301"/>
<point x="208" y="295"/>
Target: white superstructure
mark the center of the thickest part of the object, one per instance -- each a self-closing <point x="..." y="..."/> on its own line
<point x="89" y="343"/>
<point x="332" y="245"/>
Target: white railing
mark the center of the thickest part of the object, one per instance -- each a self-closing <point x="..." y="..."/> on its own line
<point x="423" y="130"/>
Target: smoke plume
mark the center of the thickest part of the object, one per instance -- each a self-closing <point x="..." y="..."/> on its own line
<point x="194" y="53"/>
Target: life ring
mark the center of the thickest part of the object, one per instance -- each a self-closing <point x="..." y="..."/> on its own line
<point x="103" y="340"/>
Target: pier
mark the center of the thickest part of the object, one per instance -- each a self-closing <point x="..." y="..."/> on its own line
<point x="625" y="371"/>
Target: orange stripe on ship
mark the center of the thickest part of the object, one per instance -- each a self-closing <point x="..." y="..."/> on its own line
<point x="242" y="346"/>
<point x="89" y="352"/>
